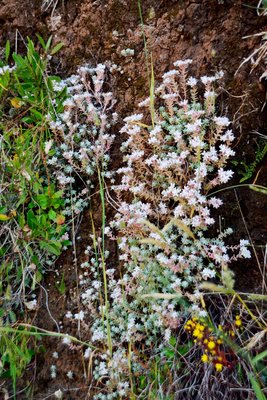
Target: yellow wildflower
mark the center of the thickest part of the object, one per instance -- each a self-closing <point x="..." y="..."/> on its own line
<point x="211" y="345"/>
<point x="196" y="333"/>
<point x="238" y="321"/>
<point x="219" y="367"/>
<point x="204" y="358"/>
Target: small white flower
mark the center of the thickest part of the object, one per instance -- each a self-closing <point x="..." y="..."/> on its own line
<point x="53" y="371"/>
<point x="31" y="305"/>
<point x="169" y="74"/>
<point x="69" y="315"/>
<point x="225" y="176"/>
<point x="79" y="316"/>
<point x="58" y="394"/>
<point x="70" y="374"/>
<point x="167" y="335"/>
<point x="192" y="81"/>
<point x="209" y="94"/>
<point x="133" y="118"/>
<point x="202" y="313"/>
<point x="182" y="63"/>
<point x="207" y="79"/>
<point x="208" y="273"/>
<point x="145" y="103"/>
<point x="221" y="121"/>
<point x="87" y="352"/>
<point x="66" y="340"/>
<point x="48" y="146"/>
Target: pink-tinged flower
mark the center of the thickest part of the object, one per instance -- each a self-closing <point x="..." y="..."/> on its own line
<point x="192" y="81"/>
<point x="221" y="121"/>
<point x="208" y="273"/>
<point x="224" y="176"/>
<point x="182" y="63"/>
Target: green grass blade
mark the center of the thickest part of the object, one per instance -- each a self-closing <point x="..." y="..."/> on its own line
<point x="259" y="357"/>
<point x="256" y="387"/>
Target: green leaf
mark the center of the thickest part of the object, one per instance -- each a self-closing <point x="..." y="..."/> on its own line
<point x="56" y="48"/>
<point x="3" y="251"/>
<point x="37" y="115"/>
<point x="259" y="357"/>
<point x="169" y="353"/>
<point x="260" y="189"/>
<point x="12" y="316"/>
<point x="152" y="94"/>
<point x="42" y="200"/>
<point x="52" y="247"/>
<point x="31" y="219"/>
<point x="48" y="43"/>
<point x="172" y="341"/>
<point x="52" y="215"/>
<point x="41" y="40"/>
<point x="256" y="387"/>
<point x="4" y="217"/>
<point x="62" y="286"/>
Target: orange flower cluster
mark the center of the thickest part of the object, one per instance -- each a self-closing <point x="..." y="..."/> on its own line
<point x="211" y="345"/>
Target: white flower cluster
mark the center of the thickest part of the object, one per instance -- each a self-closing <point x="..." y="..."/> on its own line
<point x="171" y="168"/>
<point x="163" y="232"/>
<point x="83" y="129"/>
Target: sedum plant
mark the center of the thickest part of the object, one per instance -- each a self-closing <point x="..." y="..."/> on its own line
<point x="172" y="167"/>
<point x="163" y="230"/>
<point x="82" y="132"/>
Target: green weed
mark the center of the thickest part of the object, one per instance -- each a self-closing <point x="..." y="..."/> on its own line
<point x="31" y="221"/>
<point x="247" y="170"/>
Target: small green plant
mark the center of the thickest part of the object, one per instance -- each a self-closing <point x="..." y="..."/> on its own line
<point x="61" y="286"/>
<point x="247" y="170"/>
<point x="16" y="352"/>
<point x="33" y="230"/>
<point x="32" y="224"/>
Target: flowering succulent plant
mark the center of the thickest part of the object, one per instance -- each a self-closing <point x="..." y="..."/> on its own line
<point x="172" y="167"/>
<point x="82" y="131"/>
<point x="165" y="248"/>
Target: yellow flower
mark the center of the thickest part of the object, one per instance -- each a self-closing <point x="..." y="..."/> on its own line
<point x="211" y="345"/>
<point x="238" y="321"/>
<point x="204" y="358"/>
<point x="218" y="367"/>
<point x="196" y="333"/>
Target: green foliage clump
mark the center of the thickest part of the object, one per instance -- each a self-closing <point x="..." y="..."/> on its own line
<point x="32" y="227"/>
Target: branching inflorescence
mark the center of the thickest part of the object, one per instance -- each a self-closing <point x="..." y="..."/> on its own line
<point x="172" y="167"/>
<point x="82" y="130"/>
<point x="165" y="246"/>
